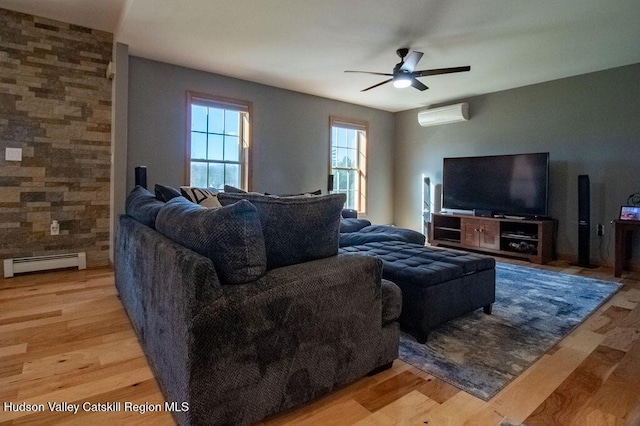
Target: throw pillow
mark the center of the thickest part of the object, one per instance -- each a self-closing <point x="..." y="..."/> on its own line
<point x="296" y="229"/>
<point x="230" y="236"/>
<point x="165" y="193"/>
<point x="143" y="206"/>
<point x="205" y="197"/>
<point x="233" y="189"/>
<point x="307" y="194"/>
<point x="353" y="225"/>
<point x="349" y="213"/>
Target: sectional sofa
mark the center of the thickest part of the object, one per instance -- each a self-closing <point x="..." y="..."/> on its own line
<point x="238" y="315"/>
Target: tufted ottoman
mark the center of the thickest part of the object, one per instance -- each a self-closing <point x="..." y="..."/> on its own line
<point x="437" y="284"/>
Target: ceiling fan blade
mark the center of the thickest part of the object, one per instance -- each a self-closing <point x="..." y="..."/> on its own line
<point x="418" y="85"/>
<point x="376" y="85"/>
<point x="439" y="71"/>
<point x="370" y="72"/>
<point x="412" y="60"/>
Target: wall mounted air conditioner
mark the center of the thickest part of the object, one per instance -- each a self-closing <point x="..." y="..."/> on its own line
<point x="444" y="115"/>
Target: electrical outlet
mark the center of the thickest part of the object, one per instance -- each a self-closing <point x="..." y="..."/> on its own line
<point x="600" y="230"/>
<point x="55" y="228"/>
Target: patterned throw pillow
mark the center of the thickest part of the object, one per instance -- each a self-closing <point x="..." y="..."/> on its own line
<point x="205" y="197"/>
<point x="296" y="229"/>
<point x="230" y="236"/>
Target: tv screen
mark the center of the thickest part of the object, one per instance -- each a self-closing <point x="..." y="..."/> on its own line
<point x="505" y="184"/>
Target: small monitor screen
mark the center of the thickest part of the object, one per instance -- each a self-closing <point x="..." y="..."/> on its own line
<point x="630" y="213"/>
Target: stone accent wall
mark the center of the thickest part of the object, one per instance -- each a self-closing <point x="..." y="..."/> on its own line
<point x="55" y="104"/>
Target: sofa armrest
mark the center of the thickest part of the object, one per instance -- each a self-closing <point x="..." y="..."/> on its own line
<point x="293" y="335"/>
<point x="163" y="286"/>
<point x="151" y="261"/>
<point x="391" y="302"/>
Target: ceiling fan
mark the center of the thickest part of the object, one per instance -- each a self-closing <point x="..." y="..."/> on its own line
<point x="404" y="74"/>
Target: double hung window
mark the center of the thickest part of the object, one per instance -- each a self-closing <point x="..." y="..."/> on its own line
<point x="218" y="142"/>
<point x="349" y="161"/>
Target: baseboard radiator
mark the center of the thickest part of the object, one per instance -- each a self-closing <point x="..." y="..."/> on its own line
<point x="43" y="263"/>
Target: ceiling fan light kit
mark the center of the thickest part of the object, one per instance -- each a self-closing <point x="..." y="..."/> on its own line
<point x="404" y="74"/>
<point x="444" y="115"/>
<point x="402" y="81"/>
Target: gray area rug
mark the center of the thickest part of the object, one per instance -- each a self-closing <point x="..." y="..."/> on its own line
<point x="534" y="310"/>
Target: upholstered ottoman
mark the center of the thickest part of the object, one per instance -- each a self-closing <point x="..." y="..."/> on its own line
<point x="437" y="284"/>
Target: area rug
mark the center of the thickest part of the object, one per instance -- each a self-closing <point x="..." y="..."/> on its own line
<point x="534" y="310"/>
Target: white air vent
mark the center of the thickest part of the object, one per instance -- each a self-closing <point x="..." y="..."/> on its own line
<point x="42" y="263"/>
<point x="444" y="115"/>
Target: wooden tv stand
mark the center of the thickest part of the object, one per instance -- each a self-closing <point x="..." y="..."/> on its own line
<point x="521" y="238"/>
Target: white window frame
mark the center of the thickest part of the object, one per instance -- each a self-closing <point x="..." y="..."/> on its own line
<point x="219" y="102"/>
<point x="362" y="129"/>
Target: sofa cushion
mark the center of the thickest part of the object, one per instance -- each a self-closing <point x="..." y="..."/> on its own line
<point x="165" y="193"/>
<point x="399" y="234"/>
<point x="230" y="236"/>
<point x="205" y="197"/>
<point x="296" y="229"/>
<point x="142" y="206"/>
<point x="377" y="233"/>
<point x="353" y="224"/>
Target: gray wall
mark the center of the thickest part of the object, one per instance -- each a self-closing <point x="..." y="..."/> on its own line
<point x="290" y="132"/>
<point x="589" y="124"/>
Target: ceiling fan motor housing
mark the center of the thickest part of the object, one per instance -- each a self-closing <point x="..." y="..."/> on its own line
<point x="402" y="52"/>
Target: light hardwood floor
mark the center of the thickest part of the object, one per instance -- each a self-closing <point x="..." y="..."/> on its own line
<point x="64" y="337"/>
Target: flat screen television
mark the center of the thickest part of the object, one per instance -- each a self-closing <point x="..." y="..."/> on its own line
<point x="503" y="184"/>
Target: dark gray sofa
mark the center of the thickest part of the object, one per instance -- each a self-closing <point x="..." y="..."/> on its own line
<point x="238" y="353"/>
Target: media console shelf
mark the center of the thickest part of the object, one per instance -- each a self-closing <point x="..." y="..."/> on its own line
<point x="522" y="238"/>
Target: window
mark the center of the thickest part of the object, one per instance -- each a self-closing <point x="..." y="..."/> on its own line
<point x="349" y="161"/>
<point x="218" y="142"/>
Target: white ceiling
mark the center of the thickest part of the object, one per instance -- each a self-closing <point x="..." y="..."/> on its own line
<point x="305" y="45"/>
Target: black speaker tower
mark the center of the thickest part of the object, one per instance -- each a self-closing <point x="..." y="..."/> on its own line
<point x="584" y="222"/>
<point x="330" y="184"/>
<point x="141" y="176"/>
<point x="426" y="205"/>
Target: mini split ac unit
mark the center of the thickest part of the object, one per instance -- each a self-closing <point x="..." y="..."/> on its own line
<point x="444" y="115"/>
